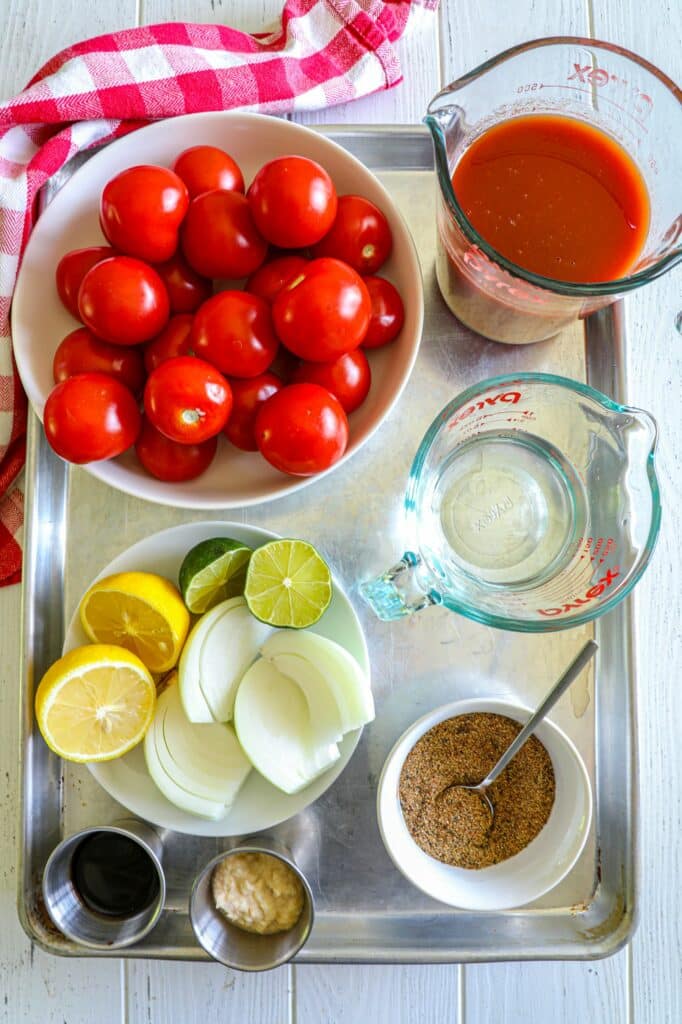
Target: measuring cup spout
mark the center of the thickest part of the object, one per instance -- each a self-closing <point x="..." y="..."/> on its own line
<point x="446" y="122"/>
<point x="442" y="117"/>
<point x="436" y="123"/>
<point x="398" y="592"/>
<point x="441" y="109"/>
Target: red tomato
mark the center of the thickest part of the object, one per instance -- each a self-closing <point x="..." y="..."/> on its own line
<point x="174" y="340"/>
<point x="219" y="237"/>
<point x="81" y="352"/>
<point x="205" y="168"/>
<point x="186" y="289"/>
<point x="360" y="235"/>
<point x="302" y="429"/>
<point x="124" y="301"/>
<point x="141" y="210"/>
<point x="293" y="201"/>
<point x="388" y="313"/>
<point x="348" y="378"/>
<point x="269" y="279"/>
<point x="170" y="461"/>
<point x="323" y="312"/>
<point x="91" y="416"/>
<point x="187" y="399"/>
<point x="71" y="270"/>
<point x="247" y="398"/>
<point x="233" y="331"/>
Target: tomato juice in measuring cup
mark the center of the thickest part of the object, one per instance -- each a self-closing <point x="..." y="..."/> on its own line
<point x="558" y="181"/>
<point x="556" y="196"/>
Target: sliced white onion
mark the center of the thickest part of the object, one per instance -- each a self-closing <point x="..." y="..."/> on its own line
<point x="218" y="651"/>
<point x="273" y="725"/>
<point x="202" y="766"/>
<point x="331" y="666"/>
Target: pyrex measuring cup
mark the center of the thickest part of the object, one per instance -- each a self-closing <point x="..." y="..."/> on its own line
<point x="608" y="87"/>
<point x="532" y="504"/>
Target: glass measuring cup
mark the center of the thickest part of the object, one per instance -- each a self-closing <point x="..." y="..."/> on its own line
<point x="598" y="83"/>
<point x="532" y="504"/>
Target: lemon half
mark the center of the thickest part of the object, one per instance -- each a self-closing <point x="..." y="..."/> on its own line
<point x="95" y="703"/>
<point x="140" y="611"/>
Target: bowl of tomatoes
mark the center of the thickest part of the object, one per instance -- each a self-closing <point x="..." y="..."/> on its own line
<point x="230" y="305"/>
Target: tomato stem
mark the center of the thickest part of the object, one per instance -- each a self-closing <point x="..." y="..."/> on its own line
<point x="191" y="416"/>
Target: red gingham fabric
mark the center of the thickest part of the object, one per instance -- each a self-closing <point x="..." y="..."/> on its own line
<point x="324" y="52"/>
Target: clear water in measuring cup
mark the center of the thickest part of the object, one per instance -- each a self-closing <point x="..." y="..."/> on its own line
<point x="503" y="509"/>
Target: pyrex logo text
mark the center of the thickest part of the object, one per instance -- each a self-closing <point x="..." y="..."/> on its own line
<point x="504" y="396"/>
<point x="595" y="591"/>
<point x="589" y="75"/>
<point x="494" y="513"/>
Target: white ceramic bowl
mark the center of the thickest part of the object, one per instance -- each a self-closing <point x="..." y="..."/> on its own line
<point x="235" y="478"/>
<point x="530" y="873"/>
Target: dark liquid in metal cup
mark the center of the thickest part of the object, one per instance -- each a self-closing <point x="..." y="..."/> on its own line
<point x="114" y="875"/>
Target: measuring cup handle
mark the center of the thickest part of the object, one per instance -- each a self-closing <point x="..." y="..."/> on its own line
<point x="397" y="592"/>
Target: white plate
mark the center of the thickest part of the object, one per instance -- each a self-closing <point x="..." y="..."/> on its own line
<point x="39" y="321"/>
<point x="259" y="804"/>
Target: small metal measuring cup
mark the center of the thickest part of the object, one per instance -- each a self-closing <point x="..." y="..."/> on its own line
<point x="71" y="913"/>
<point x="232" y="946"/>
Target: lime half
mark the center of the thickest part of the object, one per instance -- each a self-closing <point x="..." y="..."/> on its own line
<point x="212" y="571"/>
<point x="288" y="584"/>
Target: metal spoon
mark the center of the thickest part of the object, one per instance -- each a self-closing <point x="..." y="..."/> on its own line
<point x="559" y="688"/>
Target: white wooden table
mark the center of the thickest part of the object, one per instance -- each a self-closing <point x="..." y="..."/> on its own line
<point x="643" y="983"/>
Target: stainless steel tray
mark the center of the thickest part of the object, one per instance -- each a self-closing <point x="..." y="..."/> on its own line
<point x="366" y="910"/>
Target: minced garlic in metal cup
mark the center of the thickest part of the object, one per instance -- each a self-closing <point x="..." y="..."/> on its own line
<point x="257" y="892"/>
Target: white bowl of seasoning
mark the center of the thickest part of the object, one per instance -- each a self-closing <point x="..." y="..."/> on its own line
<point x="519" y="879"/>
<point x="251" y="907"/>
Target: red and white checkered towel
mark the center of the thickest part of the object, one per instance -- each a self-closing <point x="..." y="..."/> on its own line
<point x="324" y="52"/>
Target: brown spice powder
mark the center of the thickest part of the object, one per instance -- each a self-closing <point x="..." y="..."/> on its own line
<point x="454" y="825"/>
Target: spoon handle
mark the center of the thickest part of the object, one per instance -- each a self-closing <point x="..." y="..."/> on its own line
<point x="559" y="688"/>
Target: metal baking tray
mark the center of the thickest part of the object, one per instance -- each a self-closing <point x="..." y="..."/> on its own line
<point x="366" y="911"/>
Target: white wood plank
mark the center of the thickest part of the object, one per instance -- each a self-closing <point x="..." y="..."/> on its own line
<point x="357" y="995"/>
<point x="247" y="15"/>
<point x="473" y="32"/>
<point x="31" y="33"/>
<point x="470" y="34"/>
<point x="657" y="37"/>
<point x="655" y="368"/>
<point x="203" y="993"/>
<point x="544" y="993"/>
